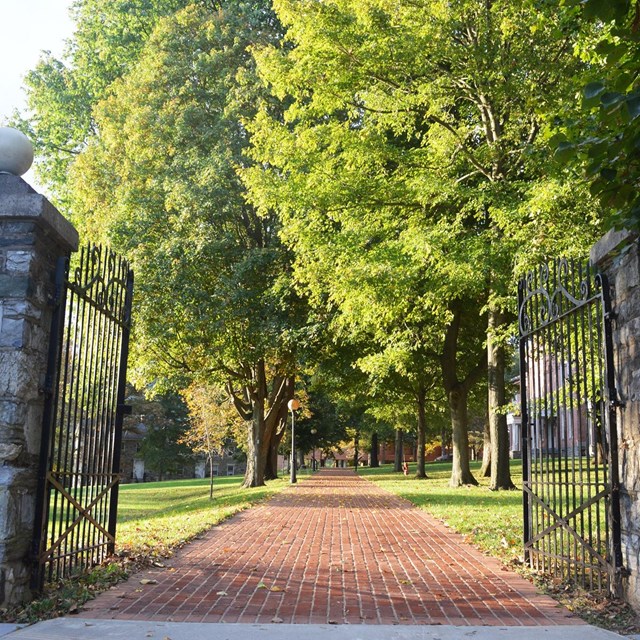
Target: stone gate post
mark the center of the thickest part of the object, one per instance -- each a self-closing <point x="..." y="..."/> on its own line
<point x="33" y="234"/>
<point x="617" y="256"/>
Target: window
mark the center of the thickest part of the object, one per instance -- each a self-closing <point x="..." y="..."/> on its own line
<point x="230" y="469"/>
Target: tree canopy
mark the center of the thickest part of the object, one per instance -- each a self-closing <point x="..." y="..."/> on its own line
<point x="340" y="190"/>
<point x="412" y="175"/>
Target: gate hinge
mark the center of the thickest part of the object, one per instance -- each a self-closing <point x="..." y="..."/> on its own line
<point x="46" y="388"/>
<point x="618" y="404"/>
<point x="623" y="572"/>
<point x="610" y="315"/>
<point x="55" y="298"/>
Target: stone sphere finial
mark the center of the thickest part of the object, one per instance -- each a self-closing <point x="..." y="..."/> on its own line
<point x="16" y="152"/>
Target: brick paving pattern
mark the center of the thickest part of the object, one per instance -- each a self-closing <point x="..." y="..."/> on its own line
<point x="335" y="548"/>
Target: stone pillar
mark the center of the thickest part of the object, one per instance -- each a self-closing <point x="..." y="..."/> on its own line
<point x="33" y="234"/>
<point x="617" y="256"/>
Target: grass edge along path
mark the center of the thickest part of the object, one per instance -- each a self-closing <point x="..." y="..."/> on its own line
<point x="491" y="521"/>
<point x="154" y="519"/>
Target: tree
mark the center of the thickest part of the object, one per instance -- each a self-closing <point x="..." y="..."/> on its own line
<point x="62" y="94"/>
<point x="162" y="448"/>
<point x="605" y="138"/>
<point x="414" y="147"/>
<point x="214" y="423"/>
<point x="158" y="181"/>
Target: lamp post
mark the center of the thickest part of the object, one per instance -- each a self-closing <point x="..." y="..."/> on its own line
<point x="293" y="405"/>
<point x="313" y="450"/>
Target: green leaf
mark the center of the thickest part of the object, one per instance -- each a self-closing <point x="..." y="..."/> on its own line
<point x="608" y="174"/>
<point x="605" y="10"/>
<point x="605" y="47"/>
<point x="565" y="151"/>
<point x="557" y="139"/>
<point x="593" y="89"/>
<point x="633" y="106"/>
<point x="611" y="99"/>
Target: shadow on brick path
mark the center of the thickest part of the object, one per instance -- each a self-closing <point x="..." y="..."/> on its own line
<point x="336" y="549"/>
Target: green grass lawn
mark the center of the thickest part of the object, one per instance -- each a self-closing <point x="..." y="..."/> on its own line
<point x="492" y="520"/>
<point x="156" y="516"/>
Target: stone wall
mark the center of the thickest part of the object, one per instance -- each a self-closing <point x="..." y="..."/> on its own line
<point x="33" y="235"/>
<point x="617" y="256"/>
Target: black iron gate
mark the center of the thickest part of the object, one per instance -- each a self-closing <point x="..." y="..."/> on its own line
<point x="84" y="407"/>
<point x="570" y="465"/>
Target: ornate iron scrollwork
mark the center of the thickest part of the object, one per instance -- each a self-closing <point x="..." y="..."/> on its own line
<point x="552" y="291"/>
<point x="101" y="276"/>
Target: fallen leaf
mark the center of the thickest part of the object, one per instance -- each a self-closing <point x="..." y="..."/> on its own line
<point x="276" y="588"/>
<point x="277" y="620"/>
<point x="222" y="593"/>
<point x="148" y="581"/>
<point x="262" y="585"/>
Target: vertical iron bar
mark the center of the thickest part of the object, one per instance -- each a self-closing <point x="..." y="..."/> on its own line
<point x="120" y="411"/>
<point x="68" y="391"/>
<point x="596" y="354"/>
<point x="538" y="376"/>
<point x="564" y="348"/>
<point x="524" y="428"/>
<point x="601" y="462"/>
<point x="576" y="431"/>
<point x="86" y="275"/>
<point x="77" y="384"/>
<point x="612" y="401"/>
<point x="48" y="418"/>
<point x="122" y="314"/>
<point x="103" y="418"/>
<point x="112" y="344"/>
<point x="94" y="367"/>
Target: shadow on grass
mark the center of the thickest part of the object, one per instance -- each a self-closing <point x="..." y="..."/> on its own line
<point x="491" y="520"/>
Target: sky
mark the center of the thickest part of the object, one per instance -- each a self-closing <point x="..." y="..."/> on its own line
<point x="28" y="27"/>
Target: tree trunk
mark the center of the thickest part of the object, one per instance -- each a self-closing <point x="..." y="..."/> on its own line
<point x="254" y="475"/>
<point x="375" y="462"/>
<point x="500" y="472"/>
<point x="265" y="415"/>
<point x="485" y="470"/>
<point x="460" y="471"/>
<point x="399" y="457"/>
<point x="421" y="471"/>
<point x="457" y="393"/>
<point x="210" y="477"/>
<point x="271" y="466"/>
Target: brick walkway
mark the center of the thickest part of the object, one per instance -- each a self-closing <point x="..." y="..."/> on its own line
<point x="333" y="549"/>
